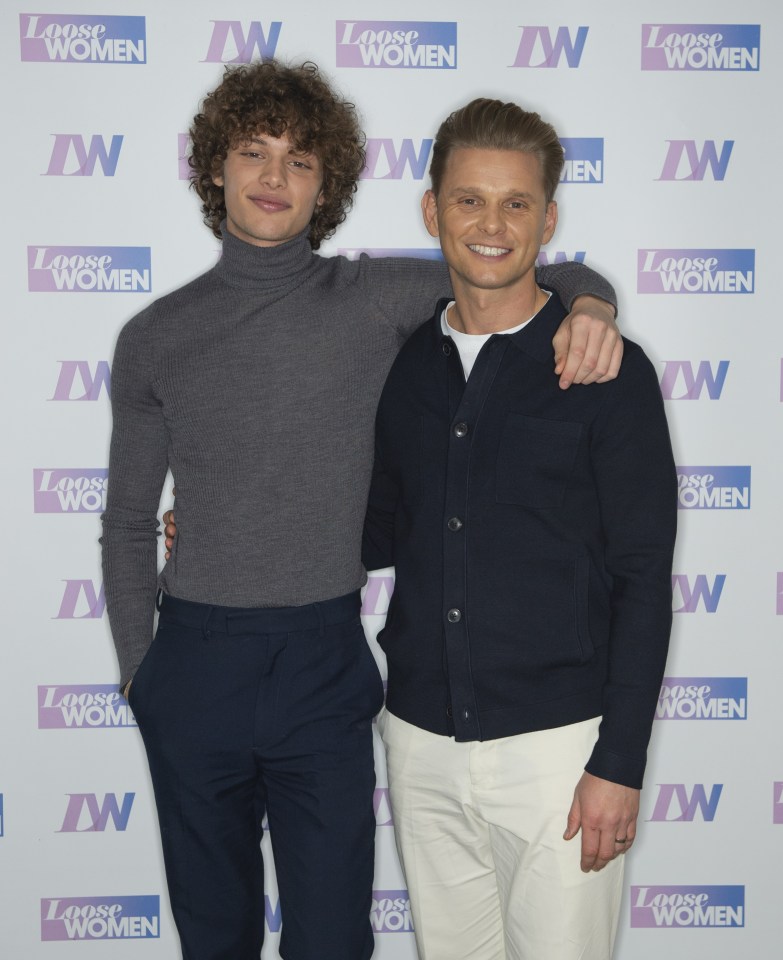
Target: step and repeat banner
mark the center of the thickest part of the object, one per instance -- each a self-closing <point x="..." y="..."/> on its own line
<point x="669" y="118"/>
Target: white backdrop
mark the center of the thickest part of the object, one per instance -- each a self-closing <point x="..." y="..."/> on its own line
<point x="672" y="196"/>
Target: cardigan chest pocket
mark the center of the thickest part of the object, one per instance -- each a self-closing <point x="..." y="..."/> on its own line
<point x="535" y="460"/>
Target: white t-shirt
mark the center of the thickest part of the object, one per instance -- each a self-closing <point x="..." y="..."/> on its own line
<point x="469" y="344"/>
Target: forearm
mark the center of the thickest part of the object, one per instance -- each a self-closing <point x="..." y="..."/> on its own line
<point x="571" y="280"/>
<point x="637" y="487"/>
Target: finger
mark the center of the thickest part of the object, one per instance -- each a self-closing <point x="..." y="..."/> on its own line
<point x="573" y="822"/>
<point x="167" y="517"/>
<point x="585" y="372"/>
<point x="573" y="361"/>
<point x="614" y="362"/>
<point x="608" y="849"/>
<point x="590" y="847"/>
<point x="561" y="342"/>
<point x="596" y="365"/>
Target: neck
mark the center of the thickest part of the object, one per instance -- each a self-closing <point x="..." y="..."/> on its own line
<point x="477" y="311"/>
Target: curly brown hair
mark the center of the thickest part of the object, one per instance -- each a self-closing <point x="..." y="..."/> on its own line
<point x="272" y="98"/>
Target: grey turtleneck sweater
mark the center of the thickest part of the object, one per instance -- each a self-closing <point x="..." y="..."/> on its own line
<point x="257" y="385"/>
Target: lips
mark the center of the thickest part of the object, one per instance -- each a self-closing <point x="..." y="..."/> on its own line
<point x="488" y="251"/>
<point x="270" y="204"/>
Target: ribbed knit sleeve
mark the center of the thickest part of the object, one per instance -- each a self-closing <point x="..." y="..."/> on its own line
<point x="406" y="290"/>
<point x="137" y="470"/>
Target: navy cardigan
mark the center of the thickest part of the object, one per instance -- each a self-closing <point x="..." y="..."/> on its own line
<point x="532" y="531"/>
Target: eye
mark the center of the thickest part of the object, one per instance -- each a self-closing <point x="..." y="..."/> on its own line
<point x="517" y="204"/>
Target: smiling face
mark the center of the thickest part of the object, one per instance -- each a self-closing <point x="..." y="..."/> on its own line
<point x="271" y="190"/>
<point x="491" y="216"/>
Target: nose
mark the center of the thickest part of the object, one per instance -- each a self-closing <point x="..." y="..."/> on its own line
<point x="491" y="220"/>
<point x="273" y="172"/>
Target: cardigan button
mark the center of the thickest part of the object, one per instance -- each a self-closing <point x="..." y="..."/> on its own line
<point x="460" y="429"/>
<point x="449" y="712"/>
<point x="454" y="524"/>
<point x="454" y="615"/>
<point x="446" y="348"/>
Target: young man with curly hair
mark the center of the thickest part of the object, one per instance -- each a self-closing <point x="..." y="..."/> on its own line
<point x="256" y="384"/>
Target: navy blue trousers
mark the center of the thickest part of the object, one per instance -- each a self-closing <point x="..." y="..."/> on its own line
<point x="252" y="712"/>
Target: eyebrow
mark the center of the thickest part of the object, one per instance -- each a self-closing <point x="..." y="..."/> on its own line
<point x="512" y="194"/>
<point x="293" y="150"/>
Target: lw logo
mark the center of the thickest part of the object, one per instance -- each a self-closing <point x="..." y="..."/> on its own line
<point x="72" y="157"/>
<point x="272" y="915"/>
<point x="377" y="595"/>
<point x="90" y="383"/>
<point x="382" y="806"/>
<point x="686" y="805"/>
<point x="777" y="804"/>
<point x="243" y="45"/>
<point x="685" y="161"/>
<point x="81" y="601"/>
<point x="386" y="162"/>
<point x="546" y="258"/>
<point x="700" y="592"/>
<point x="680" y="381"/>
<point x="537" y="47"/>
<point x="85" y="814"/>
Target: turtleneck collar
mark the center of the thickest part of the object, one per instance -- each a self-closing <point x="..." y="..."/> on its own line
<point x="264" y="268"/>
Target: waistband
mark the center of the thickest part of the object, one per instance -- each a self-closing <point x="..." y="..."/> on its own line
<point x="236" y="620"/>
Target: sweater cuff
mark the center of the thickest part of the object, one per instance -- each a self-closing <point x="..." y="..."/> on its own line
<point x="628" y="771"/>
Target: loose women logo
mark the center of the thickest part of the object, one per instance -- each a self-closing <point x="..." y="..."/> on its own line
<point x="382" y="806"/>
<point x="377" y="594"/>
<point x="546" y="258"/>
<point x="713" y="488"/>
<point x="88" y="269"/>
<point x="703" y="698"/>
<point x="72" y="157"/>
<point x="584" y="160"/>
<point x="700" y="46"/>
<point x="75" y="38"/>
<point x="86" y="814"/>
<point x="700" y="591"/>
<point x="92" y="382"/>
<point x="681" y="381"/>
<point x="422" y="45"/>
<point x="82" y="706"/>
<point x="100" y="918"/>
<point x="391" y="911"/>
<point x="81" y="595"/>
<point x="777" y="805"/>
<point x="686" y="161"/>
<point x="676" y="799"/>
<point x="74" y="490"/>
<point x="695" y="271"/>
<point x="384" y="161"/>
<point x="537" y="47"/>
<point x="688" y="906"/>
<point x="243" y="45"/>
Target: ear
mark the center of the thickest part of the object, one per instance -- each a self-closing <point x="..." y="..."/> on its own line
<point x="217" y="178"/>
<point x="429" y="210"/>
<point x="550" y="222"/>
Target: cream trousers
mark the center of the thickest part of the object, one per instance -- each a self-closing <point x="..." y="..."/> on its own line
<point x="479" y="829"/>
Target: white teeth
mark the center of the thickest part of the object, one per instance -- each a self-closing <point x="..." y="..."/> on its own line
<point x="487" y="251"/>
